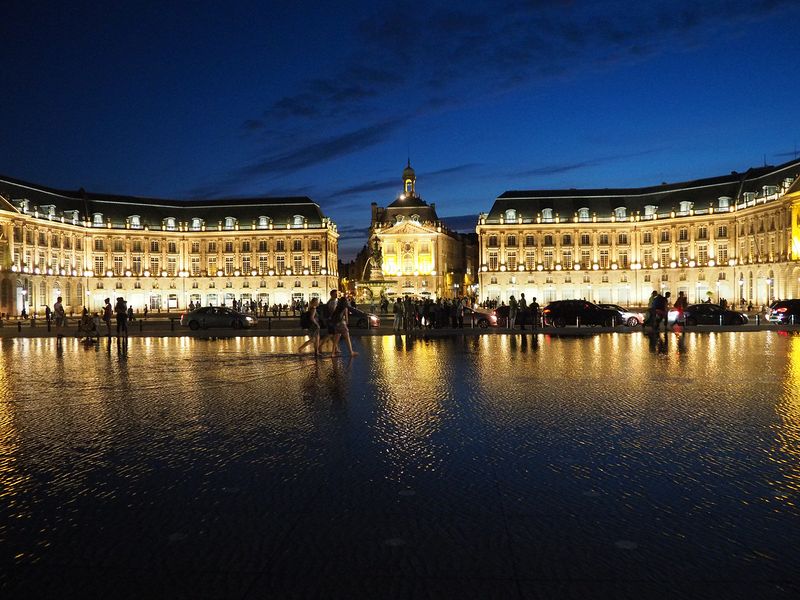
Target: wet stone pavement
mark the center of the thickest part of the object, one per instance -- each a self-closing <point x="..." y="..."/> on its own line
<point x="613" y="466"/>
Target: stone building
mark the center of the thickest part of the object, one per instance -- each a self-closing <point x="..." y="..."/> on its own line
<point x="418" y="254"/>
<point x="734" y="237"/>
<point x="157" y="253"/>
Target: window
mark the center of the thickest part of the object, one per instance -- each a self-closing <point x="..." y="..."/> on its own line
<point x="583" y="214"/>
<point x="722" y="231"/>
<point x="137" y="246"/>
<point x="297" y="245"/>
<point x="722" y="253"/>
<point x="280" y="246"/>
<point x="155" y="265"/>
<point x="97" y="219"/>
<point x="169" y="223"/>
<point x="586" y="239"/>
<point x="724" y="201"/>
<point x="493" y="260"/>
<point x="230" y="222"/>
<point x="604" y="239"/>
<point x="212" y="265"/>
<point x="263" y="263"/>
<point x="650" y="210"/>
<point x="195" y="247"/>
<point x="297" y="263"/>
<point x="298" y="220"/>
<point x="683" y="254"/>
<point x="197" y="224"/>
<point x="99" y="266"/>
<point x="664" y="235"/>
<point x="511" y="260"/>
<point x="246" y="264"/>
<point x="172" y="247"/>
<point x="246" y="246"/>
<point x="647" y="237"/>
<point x="586" y="259"/>
<point x="119" y="245"/>
<point x="604" y="259"/>
<point x="263" y="222"/>
<point x="263" y="246"/>
<point x="42" y="239"/>
<point x="702" y="254"/>
<point x="665" y="257"/>
<point x="530" y="240"/>
<point x="280" y="263"/>
<point x="315" y="263"/>
<point x="119" y="265"/>
<point x="511" y="241"/>
<point x="195" y="266"/>
<point x="212" y="246"/>
<point x="315" y="246"/>
<point x="136" y="264"/>
<point x="620" y="212"/>
<point x="548" y="259"/>
<point x="154" y="247"/>
<point x="622" y="258"/>
<point x="566" y="240"/>
<point x="566" y="259"/>
<point x="172" y="266"/>
<point x="493" y="241"/>
<point x="548" y="240"/>
<point x="547" y="215"/>
<point x="98" y="245"/>
<point x="702" y="232"/>
<point x="685" y="206"/>
<point x="511" y="215"/>
<point x="647" y="258"/>
<point x="228" y="265"/>
<point x="622" y="239"/>
<point x="530" y="260"/>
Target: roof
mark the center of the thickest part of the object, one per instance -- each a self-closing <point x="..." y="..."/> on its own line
<point x="153" y="211"/>
<point x="667" y="197"/>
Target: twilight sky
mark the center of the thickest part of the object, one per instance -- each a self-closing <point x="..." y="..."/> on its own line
<point x="209" y="99"/>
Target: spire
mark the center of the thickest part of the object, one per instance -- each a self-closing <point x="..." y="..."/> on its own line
<point x="409" y="180"/>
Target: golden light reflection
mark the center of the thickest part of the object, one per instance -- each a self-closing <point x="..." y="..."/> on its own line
<point x="787" y="454"/>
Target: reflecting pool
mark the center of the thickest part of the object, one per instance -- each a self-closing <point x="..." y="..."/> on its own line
<point x="495" y="466"/>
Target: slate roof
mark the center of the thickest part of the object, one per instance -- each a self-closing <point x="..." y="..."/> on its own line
<point x="701" y="192"/>
<point x="154" y="210"/>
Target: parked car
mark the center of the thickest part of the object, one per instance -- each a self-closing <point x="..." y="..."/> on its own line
<point x="359" y="318"/>
<point x="216" y="316"/>
<point x="483" y="318"/>
<point x="709" y="314"/>
<point x="567" y="312"/>
<point x="784" y="311"/>
<point x="628" y="317"/>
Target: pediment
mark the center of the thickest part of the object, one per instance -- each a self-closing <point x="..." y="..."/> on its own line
<point x="408" y="228"/>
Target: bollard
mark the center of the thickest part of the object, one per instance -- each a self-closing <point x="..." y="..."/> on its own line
<point x="171" y="324"/>
<point x="578" y="321"/>
<point x="33" y="321"/>
<point x="48" y="325"/>
<point x="140" y="326"/>
<point x="758" y="320"/>
<point x="19" y="325"/>
<point x="792" y="319"/>
<point x="720" y="320"/>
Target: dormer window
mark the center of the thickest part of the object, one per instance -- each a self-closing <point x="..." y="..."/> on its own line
<point x="197" y="223"/>
<point x="72" y="215"/>
<point x="23" y="205"/>
<point x="263" y="222"/>
<point x="511" y="215"/>
<point x="650" y="210"/>
<point x="297" y="220"/>
<point x="230" y="222"/>
<point x="770" y="189"/>
<point x="749" y="196"/>
<point x="399" y="219"/>
<point x="169" y="223"/>
<point x="583" y="214"/>
<point x="97" y="219"/>
<point x="415" y="218"/>
<point x="686" y="206"/>
<point x="619" y="212"/>
<point x="724" y="201"/>
<point x="547" y="215"/>
<point x="135" y="221"/>
<point x="49" y="211"/>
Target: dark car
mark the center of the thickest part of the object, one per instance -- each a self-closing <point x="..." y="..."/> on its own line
<point x="359" y="318"/>
<point x="784" y="311"/>
<point x="483" y="318"/>
<point x="567" y="312"/>
<point x="710" y="314"/>
<point x="216" y="316"/>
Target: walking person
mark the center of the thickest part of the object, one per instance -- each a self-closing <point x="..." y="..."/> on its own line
<point x="121" y="310"/>
<point x="339" y="319"/>
<point x="312" y="325"/>
<point x="397" y="309"/>
<point x="534" y="310"/>
<point x="60" y="316"/>
<point x="513" y="306"/>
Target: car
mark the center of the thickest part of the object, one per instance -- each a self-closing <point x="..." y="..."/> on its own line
<point x="784" y="311"/>
<point x="359" y="318"/>
<point x="630" y="318"/>
<point x="481" y="317"/>
<point x="216" y="316"/>
<point x="712" y="314"/>
<point x="571" y="312"/>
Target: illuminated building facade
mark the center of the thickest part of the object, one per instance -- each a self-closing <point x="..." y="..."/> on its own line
<point x="161" y="254"/>
<point x="735" y="237"/>
<point x="420" y="256"/>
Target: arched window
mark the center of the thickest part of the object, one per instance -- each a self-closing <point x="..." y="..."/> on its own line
<point x="724" y="201"/>
<point x="230" y="222"/>
<point x="169" y="223"/>
<point x="263" y="222"/>
<point x="620" y="212"/>
<point x="686" y="206"/>
<point x="583" y="214"/>
<point x="511" y="215"/>
<point x="650" y="210"/>
<point x="97" y="219"/>
<point x="547" y="215"/>
<point x="197" y="224"/>
<point x="297" y="220"/>
<point x="135" y="221"/>
<point x="398" y="219"/>
<point x="415" y="218"/>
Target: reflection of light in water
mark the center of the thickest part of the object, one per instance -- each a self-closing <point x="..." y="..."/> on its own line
<point x="787" y="454"/>
<point x="11" y="479"/>
<point x="413" y="389"/>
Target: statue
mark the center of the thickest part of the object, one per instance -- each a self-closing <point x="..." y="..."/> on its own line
<point x="376" y="256"/>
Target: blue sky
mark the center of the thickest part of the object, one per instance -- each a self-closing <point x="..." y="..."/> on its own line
<point x="205" y="99"/>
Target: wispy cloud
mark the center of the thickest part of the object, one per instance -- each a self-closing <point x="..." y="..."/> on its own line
<point x="556" y="169"/>
<point x="380" y="185"/>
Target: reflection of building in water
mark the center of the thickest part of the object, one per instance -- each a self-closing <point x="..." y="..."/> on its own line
<point x="159" y="253"/>
<point x="735" y="236"/>
<point x="787" y="455"/>
<point x="419" y="254"/>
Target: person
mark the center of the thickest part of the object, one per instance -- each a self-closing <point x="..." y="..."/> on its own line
<point x="145" y="311"/>
<point x="130" y="313"/>
<point x="48" y="314"/>
<point x="523" y="311"/>
<point x="397" y="309"/>
<point x="339" y="318"/>
<point x="513" y="306"/>
<point x="60" y="316"/>
<point x="121" y="310"/>
<point x="24" y="313"/>
<point x="680" y="305"/>
<point x="534" y="306"/>
<point x="313" y="327"/>
<point x="659" y="309"/>
<point x="108" y="311"/>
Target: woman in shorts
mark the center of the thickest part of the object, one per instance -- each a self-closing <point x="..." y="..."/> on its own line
<point x="313" y="327"/>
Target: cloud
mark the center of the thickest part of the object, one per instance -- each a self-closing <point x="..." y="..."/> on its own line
<point x="392" y="183"/>
<point x="574" y="166"/>
<point x="462" y="223"/>
<point x="793" y="154"/>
